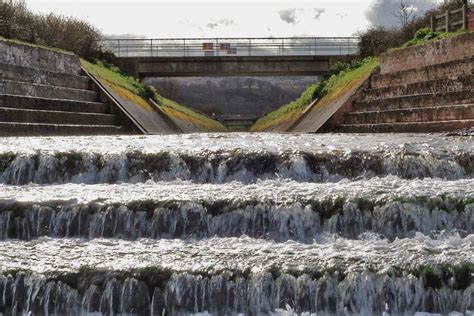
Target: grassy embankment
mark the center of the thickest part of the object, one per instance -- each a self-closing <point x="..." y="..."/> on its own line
<point x="341" y="79"/>
<point x="133" y="90"/>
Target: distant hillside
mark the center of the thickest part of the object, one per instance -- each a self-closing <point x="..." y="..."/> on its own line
<point x="232" y="95"/>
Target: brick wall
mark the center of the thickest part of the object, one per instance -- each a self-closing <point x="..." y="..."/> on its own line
<point x="442" y="51"/>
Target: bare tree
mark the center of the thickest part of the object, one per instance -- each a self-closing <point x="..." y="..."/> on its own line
<point x="406" y="14"/>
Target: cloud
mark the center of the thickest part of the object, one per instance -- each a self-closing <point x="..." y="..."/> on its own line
<point x="342" y="15"/>
<point x="227" y="22"/>
<point x="385" y="13"/>
<point x="222" y="22"/>
<point x="212" y="25"/>
<point x="288" y="15"/>
<point x="318" y="12"/>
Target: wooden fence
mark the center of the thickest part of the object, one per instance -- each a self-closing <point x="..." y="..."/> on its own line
<point x="3" y="17"/>
<point x="462" y="18"/>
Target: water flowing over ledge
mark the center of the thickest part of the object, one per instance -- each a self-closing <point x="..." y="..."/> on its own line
<point x="237" y="224"/>
<point x="154" y="293"/>
<point x="219" y="276"/>
<point x="388" y="207"/>
<point x="322" y="159"/>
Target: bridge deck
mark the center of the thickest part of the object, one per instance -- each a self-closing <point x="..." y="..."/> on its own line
<point x="214" y="47"/>
<point x="301" y="56"/>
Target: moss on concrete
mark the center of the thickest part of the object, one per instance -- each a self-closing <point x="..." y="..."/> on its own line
<point x="327" y="90"/>
<point x="133" y="90"/>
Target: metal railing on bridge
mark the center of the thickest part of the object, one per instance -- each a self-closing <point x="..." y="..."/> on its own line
<point x="213" y="47"/>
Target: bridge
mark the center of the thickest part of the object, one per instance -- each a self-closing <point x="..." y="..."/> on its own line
<point x="188" y="57"/>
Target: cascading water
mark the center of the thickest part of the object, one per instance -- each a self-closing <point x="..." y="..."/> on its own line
<point x="237" y="224"/>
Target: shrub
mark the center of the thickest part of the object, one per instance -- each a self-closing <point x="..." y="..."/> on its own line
<point x="51" y="30"/>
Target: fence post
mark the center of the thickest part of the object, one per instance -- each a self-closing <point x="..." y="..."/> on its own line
<point x="250" y="47"/>
<point x="151" y="47"/>
<point x="432" y="23"/>
<point x="464" y="17"/>
<point x="118" y="50"/>
<point x="217" y="46"/>
<point x="447" y="21"/>
<point x="283" y="47"/>
<point x="184" y="47"/>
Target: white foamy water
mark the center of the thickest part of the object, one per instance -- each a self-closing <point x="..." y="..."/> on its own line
<point x="212" y="255"/>
<point x="237" y="224"/>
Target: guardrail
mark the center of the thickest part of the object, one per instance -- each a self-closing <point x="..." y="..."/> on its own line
<point x="453" y="20"/>
<point x="212" y="47"/>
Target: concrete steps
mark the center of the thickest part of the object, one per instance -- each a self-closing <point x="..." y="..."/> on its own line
<point x="436" y="113"/>
<point x="418" y="127"/>
<point x="44" y="104"/>
<point x="46" y="91"/>
<point x="52" y="117"/>
<point x="426" y="87"/>
<point x="449" y="70"/>
<point x="36" y="76"/>
<point x="38" y="129"/>
<point x="415" y="101"/>
<point x="422" y="95"/>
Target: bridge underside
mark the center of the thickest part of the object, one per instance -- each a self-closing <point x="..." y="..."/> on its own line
<point x="143" y="67"/>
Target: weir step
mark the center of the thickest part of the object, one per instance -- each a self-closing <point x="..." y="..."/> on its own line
<point x="416" y="101"/>
<point x="38" y="129"/>
<point x="433" y="86"/>
<point x="36" y="76"/>
<point x="54" y="117"/>
<point x="438" y="113"/>
<point x="46" y="91"/>
<point x="412" y="127"/>
<point x="35" y="103"/>
<point x="450" y="70"/>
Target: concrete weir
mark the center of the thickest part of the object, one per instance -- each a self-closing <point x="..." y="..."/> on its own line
<point x="46" y="92"/>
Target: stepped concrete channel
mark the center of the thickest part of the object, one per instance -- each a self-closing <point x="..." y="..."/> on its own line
<point x="426" y="88"/>
<point x="45" y="92"/>
<point x="419" y="89"/>
<point x="237" y="224"/>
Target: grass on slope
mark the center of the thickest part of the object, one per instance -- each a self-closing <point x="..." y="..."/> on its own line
<point x="14" y="41"/>
<point x="114" y="76"/>
<point x="342" y="76"/>
<point x="425" y="36"/>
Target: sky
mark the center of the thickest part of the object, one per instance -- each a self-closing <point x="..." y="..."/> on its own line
<point x="224" y="18"/>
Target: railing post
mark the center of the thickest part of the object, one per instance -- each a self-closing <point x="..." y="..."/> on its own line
<point x="250" y="47"/>
<point x="217" y="46"/>
<point x="151" y="47"/>
<point x="283" y="47"/>
<point x="464" y="17"/>
<point x="118" y="50"/>
<point x="447" y="21"/>
<point x="315" y="46"/>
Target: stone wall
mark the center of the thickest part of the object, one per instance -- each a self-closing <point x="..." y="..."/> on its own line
<point x="443" y="51"/>
<point x="38" y="58"/>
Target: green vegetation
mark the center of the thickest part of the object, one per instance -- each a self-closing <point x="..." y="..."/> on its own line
<point x="425" y="36"/>
<point x="124" y="84"/>
<point x="50" y="30"/>
<point x="342" y="75"/>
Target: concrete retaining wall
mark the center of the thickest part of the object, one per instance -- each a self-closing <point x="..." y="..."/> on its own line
<point x="38" y="58"/>
<point x="439" y="52"/>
